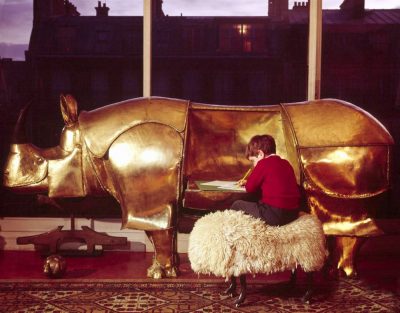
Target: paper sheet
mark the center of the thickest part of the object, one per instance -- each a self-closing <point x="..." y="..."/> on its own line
<point x="224" y="184"/>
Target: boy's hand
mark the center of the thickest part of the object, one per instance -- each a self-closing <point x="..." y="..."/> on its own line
<point x="241" y="182"/>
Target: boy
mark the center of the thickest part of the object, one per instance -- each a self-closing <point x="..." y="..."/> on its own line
<point x="274" y="179"/>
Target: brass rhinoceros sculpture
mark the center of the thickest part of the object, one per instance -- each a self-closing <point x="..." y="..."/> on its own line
<point x="147" y="152"/>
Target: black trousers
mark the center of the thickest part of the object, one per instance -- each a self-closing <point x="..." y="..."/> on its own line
<point x="271" y="215"/>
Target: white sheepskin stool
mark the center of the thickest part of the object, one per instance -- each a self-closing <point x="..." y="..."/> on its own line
<point x="232" y="244"/>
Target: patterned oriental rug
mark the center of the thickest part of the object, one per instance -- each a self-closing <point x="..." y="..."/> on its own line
<point x="336" y="295"/>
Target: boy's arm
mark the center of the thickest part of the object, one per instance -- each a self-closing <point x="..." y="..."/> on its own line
<point x="255" y="179"/>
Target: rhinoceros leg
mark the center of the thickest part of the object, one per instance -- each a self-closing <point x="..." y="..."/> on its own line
<point x="165" y="259"/>
<point x="346" y="250"/>
<point x="143" y="171"/>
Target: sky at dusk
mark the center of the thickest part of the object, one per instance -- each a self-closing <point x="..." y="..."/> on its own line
<point x="16" y="15"/>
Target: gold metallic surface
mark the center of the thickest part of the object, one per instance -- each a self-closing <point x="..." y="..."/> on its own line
<point x="346" y="252"/>
<point x="164" y="260"/>
<point x="347" y="172"/>
<point x="344" y="155"/>
<point x="25" y="166"/>
<point x="144" y="162"/>
<point x="345" y="160"/>
<point x="345" y="216"/>
<point x="110" y="121"/>
<point x="55" y="266"/>
<point x="68" y="169"/>
<point x="92" y="184"/>
<point x="70" y="138"/>
<point x="332" y="122"/>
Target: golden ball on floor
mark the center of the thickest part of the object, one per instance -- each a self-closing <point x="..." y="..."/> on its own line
<point x="55" y="266"/>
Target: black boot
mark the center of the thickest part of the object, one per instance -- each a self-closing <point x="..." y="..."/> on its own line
<point x="231" y="290"/>
<point x="243" y="291"/>
<point x="310" y="288"/>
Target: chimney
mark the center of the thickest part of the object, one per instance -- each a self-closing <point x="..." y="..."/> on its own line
<point x="156" y="7"/>
<point x="101" y="10"/>
<point x="278" y="9"/>
<point x="353" y="8"/>
<point x="301" y="5"/>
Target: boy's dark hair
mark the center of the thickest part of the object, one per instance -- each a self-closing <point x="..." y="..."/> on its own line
<point x="265" y="143"/>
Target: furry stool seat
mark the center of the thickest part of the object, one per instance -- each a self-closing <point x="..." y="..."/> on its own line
<point x="231" y="244"/>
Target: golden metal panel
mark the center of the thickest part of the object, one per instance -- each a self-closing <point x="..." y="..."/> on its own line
<point x="345" y="216"/>
<point x="144" y="162"/>
<point x="65" y="176"/>
<point x="110" y="121"/>
<point x="331" y="122"/>
<point x="216" y="141"/>
<point x="347" y="172"/>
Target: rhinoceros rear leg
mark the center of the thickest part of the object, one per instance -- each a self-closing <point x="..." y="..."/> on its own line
<point x="165" y="258"/>
<point x="345" y="251"/>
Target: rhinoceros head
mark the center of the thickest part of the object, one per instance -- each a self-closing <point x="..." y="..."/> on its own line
<point x="27" y="167"/>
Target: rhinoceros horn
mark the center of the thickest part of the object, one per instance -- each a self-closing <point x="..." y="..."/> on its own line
<point x="19" y="135"/>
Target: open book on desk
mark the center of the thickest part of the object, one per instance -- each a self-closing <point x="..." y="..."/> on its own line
<point x="220" y="185"/>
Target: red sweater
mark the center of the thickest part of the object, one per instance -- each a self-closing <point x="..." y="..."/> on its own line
<point x="275" y="178"/>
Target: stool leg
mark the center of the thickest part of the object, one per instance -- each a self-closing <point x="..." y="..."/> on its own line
<point x="231" y="290"/>
<point x="310" y="288"/>
<point x="243" y="291"/>
<point x="293" y="277"/>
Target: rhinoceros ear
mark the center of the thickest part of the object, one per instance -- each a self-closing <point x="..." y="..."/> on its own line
<point x="69" y="109"/>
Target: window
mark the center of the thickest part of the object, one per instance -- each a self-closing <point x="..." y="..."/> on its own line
<point x="246" y="38"/>
<point x="102" y="41"/>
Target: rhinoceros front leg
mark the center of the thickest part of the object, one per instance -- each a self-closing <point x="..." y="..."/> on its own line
<point x="165" y="257"/>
